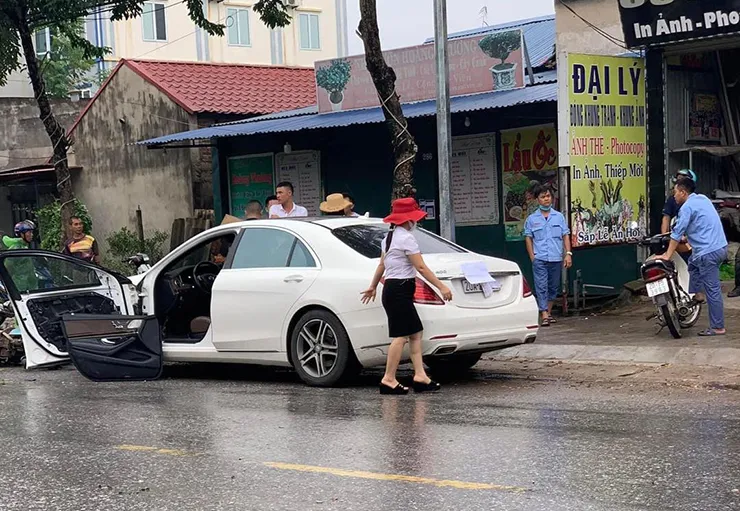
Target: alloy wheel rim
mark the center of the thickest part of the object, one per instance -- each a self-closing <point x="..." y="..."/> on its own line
<point x="318" y="348"/>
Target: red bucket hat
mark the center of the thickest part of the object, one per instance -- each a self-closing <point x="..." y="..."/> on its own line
<point x="405" y="210"/>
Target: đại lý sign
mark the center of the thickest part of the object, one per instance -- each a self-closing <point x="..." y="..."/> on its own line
<point x="649" y="22"/>
<point x="477" y="64"/>
<point x="606" y="148"/>
<point x="529" y="155"/>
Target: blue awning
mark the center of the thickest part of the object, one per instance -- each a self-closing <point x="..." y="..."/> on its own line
<point x="546" y="92"/>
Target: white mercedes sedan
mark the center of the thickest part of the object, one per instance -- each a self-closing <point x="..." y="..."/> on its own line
<point x="272" y="292"/>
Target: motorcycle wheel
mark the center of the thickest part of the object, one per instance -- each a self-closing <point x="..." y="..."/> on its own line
<point x="691" y="319"/>
<point x="670" y="318"/>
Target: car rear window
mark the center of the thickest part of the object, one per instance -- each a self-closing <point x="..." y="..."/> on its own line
<point x="366" y="240"/>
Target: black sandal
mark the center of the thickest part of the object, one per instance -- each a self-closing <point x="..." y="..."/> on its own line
<point x="398" y="390"/>
<point x="432" y="386"/>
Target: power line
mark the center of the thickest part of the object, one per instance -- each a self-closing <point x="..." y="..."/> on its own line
<point x="596" y="29"/>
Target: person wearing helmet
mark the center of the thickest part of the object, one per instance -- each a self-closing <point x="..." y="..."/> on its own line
<point x="25" y="276"/>
<point x="671" y="207"/>
<point x="23" y="236"/>
<point x="670" y="212"/>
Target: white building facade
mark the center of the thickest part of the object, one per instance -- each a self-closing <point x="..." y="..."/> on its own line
<point x="165" y="31"/>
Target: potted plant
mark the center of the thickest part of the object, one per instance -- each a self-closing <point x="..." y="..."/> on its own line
<point x="333" y="79"/>
<point x="500" y="46"/>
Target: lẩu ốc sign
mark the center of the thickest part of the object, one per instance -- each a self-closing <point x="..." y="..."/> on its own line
<point x="651" y="22"/>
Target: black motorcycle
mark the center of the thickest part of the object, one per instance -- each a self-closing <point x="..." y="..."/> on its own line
<point x="667" y="284"/>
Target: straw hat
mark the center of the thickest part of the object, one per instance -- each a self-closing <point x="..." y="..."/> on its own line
<point x="334" y="203"/>
<point x="405" y="210"/>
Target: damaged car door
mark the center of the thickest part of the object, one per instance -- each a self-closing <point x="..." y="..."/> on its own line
<point x="47" y="288"/>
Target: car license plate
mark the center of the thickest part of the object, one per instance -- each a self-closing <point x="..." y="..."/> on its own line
<point x="475" y="288"/>
<point x="471" y="288"/>
<point x="658" y="287"/>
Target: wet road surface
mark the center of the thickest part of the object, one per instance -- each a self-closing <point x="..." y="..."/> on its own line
<point x="223" y="438"/>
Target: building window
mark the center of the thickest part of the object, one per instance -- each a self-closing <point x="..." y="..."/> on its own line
<point x="237" y="21"/>
<point x="155" y="25"/>
<point x="43" y="42"/>
<point x="310" y="32"/>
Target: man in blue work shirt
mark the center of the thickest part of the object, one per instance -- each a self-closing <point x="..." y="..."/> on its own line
<point x="699" y="221"/>
<point x="546" y="235"/>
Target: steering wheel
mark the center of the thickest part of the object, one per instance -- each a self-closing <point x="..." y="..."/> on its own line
<point x="204" y="275"/>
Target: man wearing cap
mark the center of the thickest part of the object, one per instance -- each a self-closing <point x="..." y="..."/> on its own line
<point x="699" y="221"/>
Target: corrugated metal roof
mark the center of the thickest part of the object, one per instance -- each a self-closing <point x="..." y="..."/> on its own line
<point x="306" y="110"/>
<point x="539" y="35"/>
<point x="487" y="100"/>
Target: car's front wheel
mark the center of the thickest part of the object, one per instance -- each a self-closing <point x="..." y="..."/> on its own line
<point x="320" y="349"/>
<point x="452" y="365"/>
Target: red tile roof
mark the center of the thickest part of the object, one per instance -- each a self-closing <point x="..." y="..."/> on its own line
<point x="238" y="89"/>
<point x="230" y="88"/>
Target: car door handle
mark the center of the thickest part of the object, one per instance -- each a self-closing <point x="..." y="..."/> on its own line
<point x="293" y="278"/>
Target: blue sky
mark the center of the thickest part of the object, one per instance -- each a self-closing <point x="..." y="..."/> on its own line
<point x="410" y="22"/>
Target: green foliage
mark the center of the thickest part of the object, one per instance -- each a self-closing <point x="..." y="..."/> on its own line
<point x="66" y="65"/>
<point x="500" y="45"/>
<point x="101" y="76"/>
<point x="334" y="78"/>
<point x="273" y="13"/>
<point x="50" y="223"/>
<point x="124" y="243"/>
<point x="727" y="271"/>
<point x="9" y="50"/>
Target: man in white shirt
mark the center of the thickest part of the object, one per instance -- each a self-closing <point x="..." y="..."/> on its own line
<point x="286" y="207"/>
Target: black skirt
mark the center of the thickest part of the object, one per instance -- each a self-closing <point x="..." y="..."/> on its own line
<point x="398" y="302"/>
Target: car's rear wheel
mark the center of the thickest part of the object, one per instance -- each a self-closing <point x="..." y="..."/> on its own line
<point x="452" y="365"/>
<point x="320" y="349"/>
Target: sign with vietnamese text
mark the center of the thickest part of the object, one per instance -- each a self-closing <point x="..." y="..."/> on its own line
<point x="474" y="180"/>
<point x="302" y="169"/>
<point x="606" y="148"/>
<point x="648" y="22"/>
<point x="529" y="155"/>
<point x="484" y="63"/>
<point x="250" y="178"/>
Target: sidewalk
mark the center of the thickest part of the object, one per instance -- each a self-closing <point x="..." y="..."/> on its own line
<point x="624" y="336"/>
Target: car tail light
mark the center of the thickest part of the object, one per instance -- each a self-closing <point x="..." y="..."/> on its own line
<point x="425" y="294"/>
<point x="653" y="274"/>
<point x="526" y="290"/>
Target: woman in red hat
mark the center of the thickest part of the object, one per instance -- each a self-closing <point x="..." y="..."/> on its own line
<point x="399" y="262"/>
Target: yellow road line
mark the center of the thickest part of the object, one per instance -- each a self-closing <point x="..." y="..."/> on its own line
<point x="157" y="450"/>
<point x="460" y="485"/>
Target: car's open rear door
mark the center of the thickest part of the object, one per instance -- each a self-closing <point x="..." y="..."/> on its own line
<point x="45" y="286"/>
<point x="114" y="348"/>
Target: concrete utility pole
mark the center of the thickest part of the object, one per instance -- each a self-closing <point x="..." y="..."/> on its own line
<point x="444" y="141"/>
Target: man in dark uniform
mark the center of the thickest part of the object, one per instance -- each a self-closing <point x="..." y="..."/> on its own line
<point x="670" y="211"/>
<point x="671" y="207"/>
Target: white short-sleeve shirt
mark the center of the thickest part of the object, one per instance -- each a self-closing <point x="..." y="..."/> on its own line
<point x="297" y="211"/>
<point x="397" y="263"/>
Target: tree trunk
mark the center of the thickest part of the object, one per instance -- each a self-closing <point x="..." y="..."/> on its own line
<point x="57" y="133"/>
<point x="384" y="78"/>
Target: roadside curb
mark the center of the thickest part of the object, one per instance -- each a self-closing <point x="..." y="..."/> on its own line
<point x="718" y="357"/>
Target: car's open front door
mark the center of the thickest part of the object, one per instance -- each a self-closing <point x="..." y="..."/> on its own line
<point x="114" y="348"/>
<point x="45" y="286"/>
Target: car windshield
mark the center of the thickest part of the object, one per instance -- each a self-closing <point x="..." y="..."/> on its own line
<point x="366" y="240"/>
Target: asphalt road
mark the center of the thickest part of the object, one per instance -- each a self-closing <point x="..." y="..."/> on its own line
<point x="223" y="438"/>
